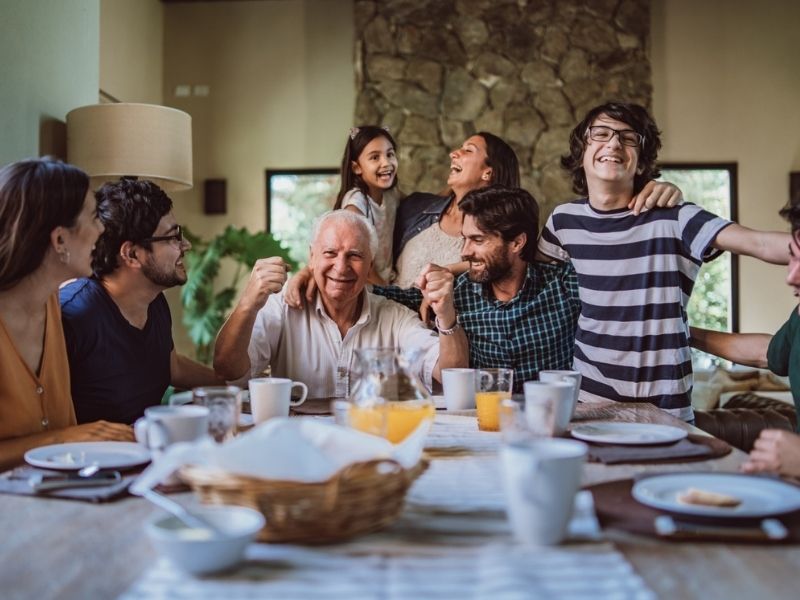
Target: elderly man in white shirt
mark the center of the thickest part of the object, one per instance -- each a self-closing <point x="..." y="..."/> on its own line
<point x="315" y="345"/>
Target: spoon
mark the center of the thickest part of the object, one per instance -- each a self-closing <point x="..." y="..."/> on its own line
<point x="188" y="518"/>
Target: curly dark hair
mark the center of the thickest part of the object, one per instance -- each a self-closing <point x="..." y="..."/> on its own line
<point x="36" y="196"/>
<point x="637" y="117"/>
<point x="791" y="212"/>
<point x="506" y="211"/>
<point x="130" y="210"/>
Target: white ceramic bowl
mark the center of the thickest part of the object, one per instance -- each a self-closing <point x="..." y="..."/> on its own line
<point x="198" y="551"/>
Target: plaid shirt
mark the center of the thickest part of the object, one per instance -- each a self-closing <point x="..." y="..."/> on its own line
<point x="533" y="331"/>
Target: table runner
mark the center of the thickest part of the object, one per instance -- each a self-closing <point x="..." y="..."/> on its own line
<point x="496" y="571"/>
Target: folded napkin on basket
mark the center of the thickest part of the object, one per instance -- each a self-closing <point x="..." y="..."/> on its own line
<point x="286" y="449"/>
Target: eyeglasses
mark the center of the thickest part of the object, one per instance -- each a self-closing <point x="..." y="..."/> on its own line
<point x="627" y="137"/>
<point x="175" y="237"/>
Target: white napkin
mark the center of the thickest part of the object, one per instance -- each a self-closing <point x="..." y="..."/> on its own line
<point x="305" y="450"/>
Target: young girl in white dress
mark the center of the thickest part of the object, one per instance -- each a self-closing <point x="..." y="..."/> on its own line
<point x="369" y="188"/>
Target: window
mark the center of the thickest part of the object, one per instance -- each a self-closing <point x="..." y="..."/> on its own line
<point x="714" y="301"/>
<point x="294" y="199"/>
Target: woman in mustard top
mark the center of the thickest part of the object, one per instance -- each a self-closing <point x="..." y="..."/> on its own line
<point x="48" y="228"/>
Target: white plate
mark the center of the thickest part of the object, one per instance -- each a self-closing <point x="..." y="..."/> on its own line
<point x="760" y="496"/>
<point x="106" y="455"/>
<point x="634" y="434"/>
<point x="438" y="402"/>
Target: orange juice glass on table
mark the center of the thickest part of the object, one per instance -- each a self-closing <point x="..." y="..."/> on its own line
<point x="493" y="386"/>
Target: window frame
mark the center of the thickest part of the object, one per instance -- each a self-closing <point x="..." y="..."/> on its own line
<point x="270" y="173"/>
<point x="733" y="174"/>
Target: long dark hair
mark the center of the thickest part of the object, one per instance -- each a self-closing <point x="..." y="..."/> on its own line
<point x="357" y="140"/>
<point x="36" y="196"/>
<point x="640" y="120"/>
<point x="502" y="159"/>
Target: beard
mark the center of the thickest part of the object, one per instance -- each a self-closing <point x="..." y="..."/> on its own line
<point x="496" y="266"/>
<point x="164" y="277"/>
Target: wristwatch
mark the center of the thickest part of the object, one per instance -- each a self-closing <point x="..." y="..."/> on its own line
<point x="450" y="331"/>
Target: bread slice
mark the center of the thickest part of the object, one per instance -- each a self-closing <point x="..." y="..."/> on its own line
<point x="706" y="498"/>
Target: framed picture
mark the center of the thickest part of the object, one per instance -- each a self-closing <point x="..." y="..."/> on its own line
<point x="295" y="197"/>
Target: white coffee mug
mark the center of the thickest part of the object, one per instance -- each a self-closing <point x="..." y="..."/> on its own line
<point x="560" y="393"/>
<point x="541" y="479"/>
<point x="163" y="426"/>
<point x="459" y="388"/>
<point x="272" y="397"/>
<point x="564" y="375"/>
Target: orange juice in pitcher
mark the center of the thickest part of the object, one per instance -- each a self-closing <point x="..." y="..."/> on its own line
<point x="388" y="399"/>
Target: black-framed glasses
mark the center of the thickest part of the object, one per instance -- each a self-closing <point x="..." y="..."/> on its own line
<point x="175" y="237"/>
<point x="627" y="137"/>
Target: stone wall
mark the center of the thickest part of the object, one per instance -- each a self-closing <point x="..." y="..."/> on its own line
<point x="436" y="71"/>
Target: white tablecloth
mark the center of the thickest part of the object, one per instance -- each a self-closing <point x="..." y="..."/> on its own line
<point x="452" y="542"/>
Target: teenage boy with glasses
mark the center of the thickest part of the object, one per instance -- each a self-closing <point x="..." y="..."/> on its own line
<point x="635" y="271"/>
<point x="117" y="324"/>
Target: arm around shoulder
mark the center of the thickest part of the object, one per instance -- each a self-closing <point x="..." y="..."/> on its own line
<point x="769" y="246"/>
<point x="742" y="348"/>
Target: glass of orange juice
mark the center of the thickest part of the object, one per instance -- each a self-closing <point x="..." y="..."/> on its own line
<point x="492" y="386"/>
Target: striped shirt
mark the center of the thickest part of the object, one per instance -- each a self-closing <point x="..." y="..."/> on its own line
<point x="533" y="331"/>
<point x="635" y="275"/>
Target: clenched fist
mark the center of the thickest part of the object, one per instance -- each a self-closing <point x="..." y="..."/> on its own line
<point x="268" y="277"/>
<point x="436" y="284"/>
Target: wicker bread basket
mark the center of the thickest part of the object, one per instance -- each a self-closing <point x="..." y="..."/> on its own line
<point x="360" y="498"/>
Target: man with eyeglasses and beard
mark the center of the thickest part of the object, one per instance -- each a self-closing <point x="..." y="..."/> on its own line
<point x="635" y="271"/>
<point x="117" y="323"/>
<point x="516" y="313"/>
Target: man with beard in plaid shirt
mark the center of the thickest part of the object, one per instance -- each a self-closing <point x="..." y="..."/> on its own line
<point x="517" y="313"/>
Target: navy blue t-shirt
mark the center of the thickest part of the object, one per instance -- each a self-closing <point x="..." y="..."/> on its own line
<point x="116" y="369"/>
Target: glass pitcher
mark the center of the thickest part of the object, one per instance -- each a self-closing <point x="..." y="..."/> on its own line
<point x="386" y="396"/>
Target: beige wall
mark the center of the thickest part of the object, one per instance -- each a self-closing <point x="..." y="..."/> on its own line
<point x="282" y="95"/>
<point x="132" y="49"/>
<point x="726" y="88"/>
<point x="49" y="66"/>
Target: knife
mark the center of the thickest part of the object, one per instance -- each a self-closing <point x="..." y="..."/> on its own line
<point x="767" y="530"/>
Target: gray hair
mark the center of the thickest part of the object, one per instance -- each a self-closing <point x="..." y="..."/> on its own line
<point x="351" y="218"/>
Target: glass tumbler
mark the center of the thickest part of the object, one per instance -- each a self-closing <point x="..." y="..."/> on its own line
<point x="224" y="405"/>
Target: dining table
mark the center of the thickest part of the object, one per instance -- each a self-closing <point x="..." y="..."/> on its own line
<point x="452" y="540"/>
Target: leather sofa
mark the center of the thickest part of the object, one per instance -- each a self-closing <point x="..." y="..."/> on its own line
<point x="743" y="418"/>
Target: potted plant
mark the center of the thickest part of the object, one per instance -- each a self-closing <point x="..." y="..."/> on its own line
<point x="205" y="307"/>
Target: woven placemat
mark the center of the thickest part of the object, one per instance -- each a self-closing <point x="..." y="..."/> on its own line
<point x="617" y="509"/>
<point x="692" y="448"/>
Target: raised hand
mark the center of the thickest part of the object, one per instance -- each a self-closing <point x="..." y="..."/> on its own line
<point x="268" y="277"/>
<point x="656" y="194"/>
<point x="436" y="284"/>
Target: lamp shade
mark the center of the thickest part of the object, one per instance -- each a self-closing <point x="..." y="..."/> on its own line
<point x="147" y="141"/>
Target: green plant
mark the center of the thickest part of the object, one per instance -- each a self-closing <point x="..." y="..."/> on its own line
<point x="205" y="307"/>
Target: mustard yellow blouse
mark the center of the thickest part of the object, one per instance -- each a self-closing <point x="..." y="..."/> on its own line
<point x="30" y="403"/>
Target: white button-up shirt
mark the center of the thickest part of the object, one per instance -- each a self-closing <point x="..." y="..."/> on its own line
<point x="305" y="345"/>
